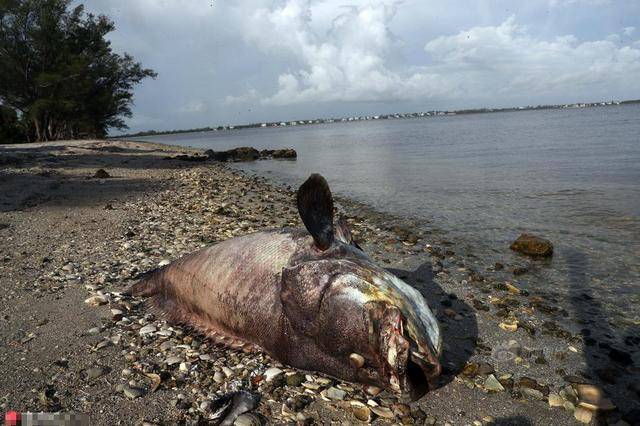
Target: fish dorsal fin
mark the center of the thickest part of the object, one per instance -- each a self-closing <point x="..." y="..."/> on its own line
<point x="315" y="206"/>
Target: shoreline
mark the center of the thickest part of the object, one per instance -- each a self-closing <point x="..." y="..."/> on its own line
<point x="160" y="209"/>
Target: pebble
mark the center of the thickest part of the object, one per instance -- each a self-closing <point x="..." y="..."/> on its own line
<point x="361" y="411"/>
<point x="509" y="326"/>
<point x="583" y="415"/>
<point x="295" y="379"/>
<point x="148" y="329"/>
<point x="247" y="419"/>
<point x="218" y="377"/>
<point x="94" y="330"/>
<point x="272" y="373"/>
<point x="172" y="360"/>
<point x="335" y="394"/>
<point x="555" y="400"/>
<point x="227" y="371"/>
<point x="97" y="300"/>
<point x="132" y="392"/>
<point x="383" y="412"/>
<point x="492" y="384"/>
<point x="95" y="372"/>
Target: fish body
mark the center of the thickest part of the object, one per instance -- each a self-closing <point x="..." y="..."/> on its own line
<point x="309" y="298"/>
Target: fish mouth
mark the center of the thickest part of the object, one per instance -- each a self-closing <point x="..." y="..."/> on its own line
<point x="408" y="367"/>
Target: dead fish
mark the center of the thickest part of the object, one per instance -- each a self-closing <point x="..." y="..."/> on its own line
<point x="309" y="298"/>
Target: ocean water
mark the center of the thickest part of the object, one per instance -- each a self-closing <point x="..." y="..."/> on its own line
<point x="570" y="175"/>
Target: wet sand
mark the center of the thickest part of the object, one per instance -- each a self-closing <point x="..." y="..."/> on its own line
<point x="69" y="238"/>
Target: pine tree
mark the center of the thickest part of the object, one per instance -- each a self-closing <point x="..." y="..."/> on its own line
<point x="59" y="74"/>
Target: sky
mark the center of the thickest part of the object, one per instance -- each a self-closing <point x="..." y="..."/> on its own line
<point x="233" y="62"/>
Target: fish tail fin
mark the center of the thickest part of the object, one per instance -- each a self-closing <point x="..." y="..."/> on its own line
<point x="150" y="284"/>
<point x="156" y="287"/>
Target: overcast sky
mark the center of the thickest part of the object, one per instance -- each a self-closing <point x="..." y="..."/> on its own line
<point x="231" y="62"/>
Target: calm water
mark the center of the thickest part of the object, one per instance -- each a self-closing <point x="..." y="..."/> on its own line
<point x="572" y="176"/>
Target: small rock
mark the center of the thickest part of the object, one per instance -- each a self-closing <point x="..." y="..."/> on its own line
<point x="335" y="394"/>
<point x="361" y="411"/>
<point x="555" y="400"/>
<point x="148" y="329"/>
<point x="295" y="379"/>
<point x="272" y="373"/>
<point x="383" y="412"/>
<point x="97" y="300"/>
<point x="132" y="392"/>
<point x="492" y="384"/>
<point x="164" y="262"/>
<point x="227" y="371"/>
<point x="583" y="415"/>
<point x="532" y="245"/>
<point x="101" y="174"/>
<point x="218" y="377"/>
<point x="430" y="421"/>
<point x="95" y="372"/>
<point x="247" y="419"/>
<point x="172" y="360"/>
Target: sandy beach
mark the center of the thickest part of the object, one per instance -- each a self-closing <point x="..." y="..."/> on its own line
<point x="74" y="240"/>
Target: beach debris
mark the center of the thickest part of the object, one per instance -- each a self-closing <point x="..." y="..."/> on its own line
<point x="299" y="270"/>
<point x="101" y="174"/>
<point x="229" y="407"/>
<point x="532" y="245"/>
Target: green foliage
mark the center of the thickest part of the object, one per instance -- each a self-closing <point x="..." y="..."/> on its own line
<point x="59" y="74"/>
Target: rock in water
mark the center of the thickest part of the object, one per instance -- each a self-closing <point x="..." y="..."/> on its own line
<point x="101" y="174"/>
<point x="531" y="245"/>
<point x="279" y="153"/>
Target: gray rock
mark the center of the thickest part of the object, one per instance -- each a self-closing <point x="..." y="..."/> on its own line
<point x="335" y="394"/>
<point x="492" y="384"/>
<point x="132" y="392"/>
<point x="95" y="372"/>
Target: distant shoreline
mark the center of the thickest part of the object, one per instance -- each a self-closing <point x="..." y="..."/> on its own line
<point x="425" y="114"/>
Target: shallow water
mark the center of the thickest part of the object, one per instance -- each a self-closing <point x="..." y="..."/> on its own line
<point x="569" y="175"/>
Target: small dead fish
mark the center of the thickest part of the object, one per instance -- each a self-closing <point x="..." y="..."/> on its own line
<point x="311" y="299"/>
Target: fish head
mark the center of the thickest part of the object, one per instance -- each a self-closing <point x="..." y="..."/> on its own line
<point x="365" y="324"/>
<point x="357" y="321"/>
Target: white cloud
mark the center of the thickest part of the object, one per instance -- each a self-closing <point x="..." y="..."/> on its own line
<point x="628" y="31"/>
<point x="356" y="59"/>
<point x="554" y="3"/>
<point x="505" y="59"/>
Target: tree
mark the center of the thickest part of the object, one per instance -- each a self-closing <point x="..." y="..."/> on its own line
<point x="59" y="74"/>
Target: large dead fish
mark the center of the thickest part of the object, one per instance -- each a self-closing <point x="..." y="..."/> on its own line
<point x="312" y="300"/>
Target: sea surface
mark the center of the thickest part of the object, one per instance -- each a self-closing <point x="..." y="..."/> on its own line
<point x="570" y="175"/>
